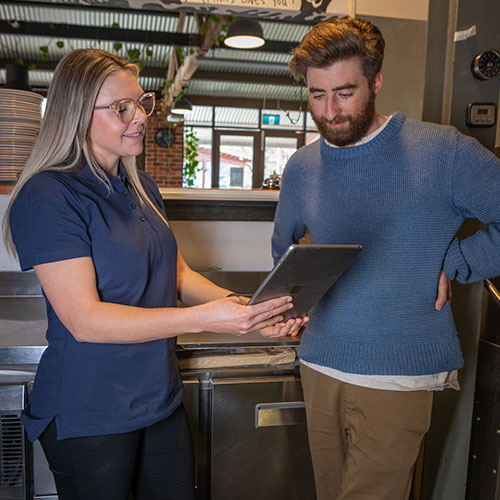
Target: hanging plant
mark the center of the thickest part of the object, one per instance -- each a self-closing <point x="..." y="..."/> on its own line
<point x="135" y="55"/>
<point x="191" y="164"/>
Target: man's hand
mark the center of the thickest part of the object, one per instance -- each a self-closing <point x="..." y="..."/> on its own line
<point x="443" y="291"/>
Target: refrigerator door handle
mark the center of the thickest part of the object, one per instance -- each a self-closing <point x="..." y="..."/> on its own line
<point x="279" y="414"/>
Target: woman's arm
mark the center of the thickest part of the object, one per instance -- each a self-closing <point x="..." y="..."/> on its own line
<point x="70" y="286"/>
<point x="193" y="288"/>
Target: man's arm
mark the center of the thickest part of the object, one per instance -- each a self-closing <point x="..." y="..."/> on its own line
<point x="476" y="194"/>
<point x="288" y="227"/>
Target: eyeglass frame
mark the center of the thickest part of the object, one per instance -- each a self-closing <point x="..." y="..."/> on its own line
<point x="137" y="104"/>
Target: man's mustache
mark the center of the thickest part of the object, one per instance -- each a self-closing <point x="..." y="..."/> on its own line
<point x="337" y="119"/>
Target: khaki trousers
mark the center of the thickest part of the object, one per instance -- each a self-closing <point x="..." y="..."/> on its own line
<point x="364" y="442"/>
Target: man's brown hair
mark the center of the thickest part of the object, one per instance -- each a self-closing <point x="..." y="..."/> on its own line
<point x="338" y="39"/>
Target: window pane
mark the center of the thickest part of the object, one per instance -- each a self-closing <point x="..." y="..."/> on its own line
<point x="276" y="153"/>
<point x="203" y="178"/>
<point x="310" y="125"/>
<point x="311" y="137"/>
<point x="235" y="162"/>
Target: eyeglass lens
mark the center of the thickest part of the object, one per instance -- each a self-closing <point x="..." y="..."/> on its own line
<point x="126" y="108"/>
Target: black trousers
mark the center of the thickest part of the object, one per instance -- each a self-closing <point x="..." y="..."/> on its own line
<point x="154" y="463"/>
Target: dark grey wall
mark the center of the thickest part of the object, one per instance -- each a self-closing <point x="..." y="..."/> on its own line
<point x="404" y="66"/>
<point x="450" y="85"/>
<point x="485" y="14"/>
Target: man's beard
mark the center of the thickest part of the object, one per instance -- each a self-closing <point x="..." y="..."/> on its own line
<point x="356" y="129"/>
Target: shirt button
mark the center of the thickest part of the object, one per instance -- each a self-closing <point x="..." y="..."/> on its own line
<point x="124" y="193"/>
<point x="133" y="205"/>
<point x="142" y="218"/>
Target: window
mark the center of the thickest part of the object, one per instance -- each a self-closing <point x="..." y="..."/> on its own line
<point x="239" y="147"/>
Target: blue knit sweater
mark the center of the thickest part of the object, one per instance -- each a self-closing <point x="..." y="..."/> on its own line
<point x="403" y="196"/>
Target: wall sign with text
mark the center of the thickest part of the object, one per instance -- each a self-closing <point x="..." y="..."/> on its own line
<point x="300" y="10"/>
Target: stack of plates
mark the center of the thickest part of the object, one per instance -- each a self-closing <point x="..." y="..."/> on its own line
<point x="20" y="116"/>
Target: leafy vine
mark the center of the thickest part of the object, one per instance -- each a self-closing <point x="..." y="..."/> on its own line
<point x="191" y="164"/>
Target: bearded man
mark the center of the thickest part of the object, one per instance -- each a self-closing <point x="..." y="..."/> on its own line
<point x="382" y="339"/>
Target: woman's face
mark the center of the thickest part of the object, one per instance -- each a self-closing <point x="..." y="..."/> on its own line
<point x="110" y="138"/>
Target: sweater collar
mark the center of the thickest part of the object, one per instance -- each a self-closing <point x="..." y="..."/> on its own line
<point x="387" y="135"/>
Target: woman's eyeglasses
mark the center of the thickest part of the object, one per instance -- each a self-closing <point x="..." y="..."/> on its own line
<point x="125" y="109"/>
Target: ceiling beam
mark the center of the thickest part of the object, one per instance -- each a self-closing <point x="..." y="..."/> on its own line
<point x="229" y="76"/>
<point x="233" y="102"/>
<point x="244" y="78"/>
<point x="52" y="30"/>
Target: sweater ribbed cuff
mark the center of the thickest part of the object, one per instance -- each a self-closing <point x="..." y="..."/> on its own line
<point x="455" y="266"/>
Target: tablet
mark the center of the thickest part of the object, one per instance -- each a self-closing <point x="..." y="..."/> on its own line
<point x="305" y="272"/>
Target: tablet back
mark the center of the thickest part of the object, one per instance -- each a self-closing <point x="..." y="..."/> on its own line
<point x="305" y="272"/>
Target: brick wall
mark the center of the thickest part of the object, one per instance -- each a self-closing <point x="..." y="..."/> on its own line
<point x="164" y="165"/>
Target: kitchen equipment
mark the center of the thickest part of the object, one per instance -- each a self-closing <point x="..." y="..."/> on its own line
<point x="272" y="182"/>
<point x="15" y="472"/>
<point x="247" y="419"/>
<point x="484" y="459"/>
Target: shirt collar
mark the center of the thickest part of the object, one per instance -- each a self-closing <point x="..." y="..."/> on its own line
<point x="91" y="179"/>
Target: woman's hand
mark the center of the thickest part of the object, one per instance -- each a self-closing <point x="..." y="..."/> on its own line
<point x="233" y="315"/>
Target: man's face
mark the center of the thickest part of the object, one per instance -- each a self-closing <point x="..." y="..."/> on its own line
<point x="341" y="101"/>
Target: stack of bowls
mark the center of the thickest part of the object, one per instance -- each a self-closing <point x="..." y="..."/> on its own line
<point x="20" y="116"/>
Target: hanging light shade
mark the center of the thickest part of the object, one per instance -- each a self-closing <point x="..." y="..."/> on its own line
<point x="181" y="106"/>
<point x="244" y="34"/>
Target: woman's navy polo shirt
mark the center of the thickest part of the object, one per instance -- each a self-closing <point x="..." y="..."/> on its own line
<point x="89" y="388"/>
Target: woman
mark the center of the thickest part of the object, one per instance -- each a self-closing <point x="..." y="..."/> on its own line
<point x="107" y="398"/>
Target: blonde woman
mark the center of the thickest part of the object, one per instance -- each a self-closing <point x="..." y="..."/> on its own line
<point x="107" y="399"/>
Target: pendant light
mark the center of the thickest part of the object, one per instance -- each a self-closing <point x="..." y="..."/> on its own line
<point x="181" y="106"/>
<point x="244" y="34"/>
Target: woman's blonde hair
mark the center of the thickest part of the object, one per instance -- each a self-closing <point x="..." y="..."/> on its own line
<point x="63" y="140"/>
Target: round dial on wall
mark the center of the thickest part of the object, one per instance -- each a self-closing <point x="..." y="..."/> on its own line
<point x="164" y="137"/>
<point x="486" y="65"/>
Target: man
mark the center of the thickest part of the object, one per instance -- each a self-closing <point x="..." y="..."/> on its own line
<point x="382" y="339"/>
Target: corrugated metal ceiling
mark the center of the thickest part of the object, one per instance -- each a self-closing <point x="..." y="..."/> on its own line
<point x="223" y="61"/>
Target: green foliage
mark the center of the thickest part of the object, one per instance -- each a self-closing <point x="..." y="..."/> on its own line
<point x="44" y="56"/>
<point x="133" y="54"/>
<point x="180" y="54"/>
<point x="191" y="164"/>
<point x="165" y="91"/>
